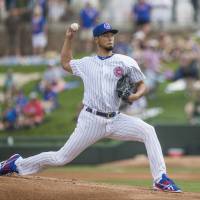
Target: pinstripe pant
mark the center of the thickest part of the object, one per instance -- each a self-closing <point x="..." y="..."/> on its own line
<point x="91" y="128"/>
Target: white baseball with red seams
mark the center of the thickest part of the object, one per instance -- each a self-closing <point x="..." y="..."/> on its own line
<point x="100" y="76"/>
<point x="74" y="26"/>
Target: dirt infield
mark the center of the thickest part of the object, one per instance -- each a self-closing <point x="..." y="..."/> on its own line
<point x="43" y="188"/>
<point x="79" y="184"/>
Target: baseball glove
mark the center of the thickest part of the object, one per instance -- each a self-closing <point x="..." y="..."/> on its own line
<point x="125" y="88"/>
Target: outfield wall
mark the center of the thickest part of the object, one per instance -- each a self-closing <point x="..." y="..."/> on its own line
<point x="176" y="138"/>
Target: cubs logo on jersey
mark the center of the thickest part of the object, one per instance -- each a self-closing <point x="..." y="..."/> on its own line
<point x="118" y="71"/>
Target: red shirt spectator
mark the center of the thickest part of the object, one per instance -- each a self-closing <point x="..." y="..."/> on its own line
<point x="34" y="110"/>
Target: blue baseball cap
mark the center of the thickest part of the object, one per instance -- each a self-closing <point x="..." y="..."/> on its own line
<point x="103" y="28"/>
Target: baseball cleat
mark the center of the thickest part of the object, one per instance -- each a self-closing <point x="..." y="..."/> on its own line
<point x="166" y="184"/>
<point x="8" y="166"/>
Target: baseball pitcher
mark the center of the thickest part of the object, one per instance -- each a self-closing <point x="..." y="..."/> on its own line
<point x="108" y="79"/>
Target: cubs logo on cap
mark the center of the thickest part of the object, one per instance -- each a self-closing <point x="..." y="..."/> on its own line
<point x="103" y="28"/>
<point x="107" y="26"/>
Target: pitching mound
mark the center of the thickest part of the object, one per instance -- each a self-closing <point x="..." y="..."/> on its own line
<point x="44" y="188"/>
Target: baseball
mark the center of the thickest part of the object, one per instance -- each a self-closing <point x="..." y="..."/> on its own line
<point x="74" y="26"/>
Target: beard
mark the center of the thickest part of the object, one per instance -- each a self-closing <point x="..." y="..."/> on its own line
<point x="110" y="48"/>
<point x="107" y="48"/>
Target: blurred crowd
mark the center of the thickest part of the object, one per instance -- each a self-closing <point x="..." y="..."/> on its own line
<point x="153" y="50"/>
<point x="32" y="17"/>
<point x="165" y="58"/>
<point x="154" y="53"/>
<point x="18" y="110"/>
<point x="24" y="17"/>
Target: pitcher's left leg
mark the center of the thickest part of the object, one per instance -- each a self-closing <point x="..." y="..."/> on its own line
<point x="124" y="127"/>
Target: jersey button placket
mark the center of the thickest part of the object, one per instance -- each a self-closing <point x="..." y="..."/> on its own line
<point x="103" y="83"/>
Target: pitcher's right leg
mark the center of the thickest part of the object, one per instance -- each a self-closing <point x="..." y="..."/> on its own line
<point x="90" y="129"/>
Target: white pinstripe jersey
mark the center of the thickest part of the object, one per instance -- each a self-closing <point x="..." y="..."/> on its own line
<point x="100" y="78"/>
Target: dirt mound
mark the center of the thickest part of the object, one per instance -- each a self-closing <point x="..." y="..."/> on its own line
<point x="43" y="188"/>
<point x="141" y="160"/>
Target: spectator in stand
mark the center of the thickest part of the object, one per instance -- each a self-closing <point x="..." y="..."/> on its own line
<point x="2" y="12"/>
<point x="10" y="117"/>
<point x="50" y="99"/>
<point x="161" y="12"/>
<point x="142" y="34"/>
<point x="138" y="45"/>
<point x="57" y="10"/>
<point x="122" y="45"/>
<point x="141" y="13"/>
<point x="88" y="19"/>
<point x="9" y="86"/>
<point x="39" y="31"/>
<point x="12" y="25"/>
<point x="195" y="5"/>
<point x="20" y="102"/>
<point x="165" y="46"/>
<point x="52" y="74"/>
<point x="152" y="65"/>
<point x="187" y="68"/>
<point x="33" y="111"/>
<point x="44" y="5"/>
<point x="20" y="19"/>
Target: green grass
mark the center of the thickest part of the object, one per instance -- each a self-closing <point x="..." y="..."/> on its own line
<point x="172" y="104"/>
<point x="186" y="186"/>
<point x="142" y="183"/>
<point x="23" y="69"/>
